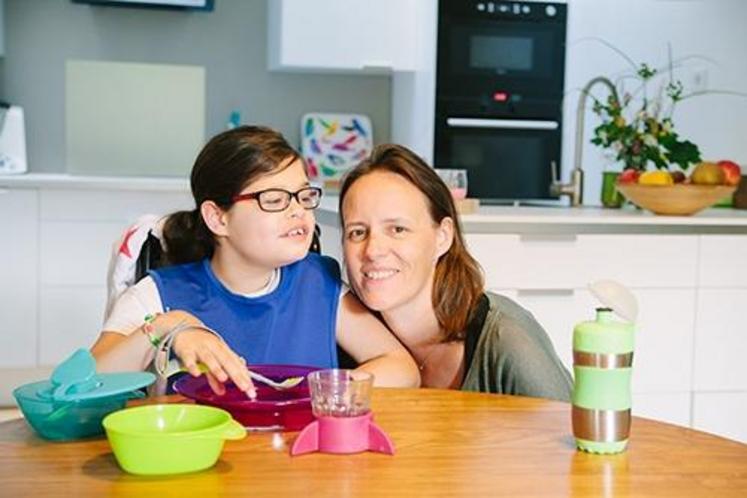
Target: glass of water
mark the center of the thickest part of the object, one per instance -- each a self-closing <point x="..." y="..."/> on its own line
<point x="456" y="180"/>
<point x="340" y="392"/>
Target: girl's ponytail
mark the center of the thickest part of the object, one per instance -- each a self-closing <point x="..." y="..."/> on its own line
<point x="227" y="163"/>
<point x="186" y="238"/>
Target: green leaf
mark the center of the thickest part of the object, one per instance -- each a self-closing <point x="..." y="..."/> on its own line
<point x="683" y="153"/>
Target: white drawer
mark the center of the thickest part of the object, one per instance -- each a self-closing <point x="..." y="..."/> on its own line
<point x="18" y="277"/>
<point x="673" y="408"/>
<point x="571" y="262"/>
<point x="108" y="205"/>
<point x="723" y="261"/>
<point x="70" y="318"/>
<point x="663" y="342"/>
<point x="724" y="414"/>
<point x="76" y="253"/>
<point x="721" y="340"/>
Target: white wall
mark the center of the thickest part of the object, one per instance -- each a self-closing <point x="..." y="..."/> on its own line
<point x="641" y="28"/>
<point x="716" y="29"/>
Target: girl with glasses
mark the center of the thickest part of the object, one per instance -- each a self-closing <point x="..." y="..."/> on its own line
<point x="241" y="285"/>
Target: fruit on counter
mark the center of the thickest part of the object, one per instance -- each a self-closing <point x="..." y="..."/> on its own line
<point x="658" y="177"/>
<point x="629" y="175"/>
<point x="707" y="173"/>
<point x="732" y="172"/>
<point x="678" y="176"/>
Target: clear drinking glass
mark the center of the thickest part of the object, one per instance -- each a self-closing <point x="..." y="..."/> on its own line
<point x="340" y="393"/>
<point x="456" y="180"/>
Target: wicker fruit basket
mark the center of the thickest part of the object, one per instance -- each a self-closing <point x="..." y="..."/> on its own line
<point x="675" y="200"/>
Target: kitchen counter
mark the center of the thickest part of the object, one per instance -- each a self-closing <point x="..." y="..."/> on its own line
<point x="566" y="220"/>
<point x="79" y="182"/>
<point x="489" y="219"/>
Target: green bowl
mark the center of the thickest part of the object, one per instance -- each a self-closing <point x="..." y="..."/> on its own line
<point x="170" y="438"/>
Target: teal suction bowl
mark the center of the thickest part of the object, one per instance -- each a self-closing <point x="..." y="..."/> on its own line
<point x="66" y="420"/>
<point x="75" y="399"/>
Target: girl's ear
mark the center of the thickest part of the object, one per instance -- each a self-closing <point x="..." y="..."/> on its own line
<point x="214" y="217"/>
<point x="444" y="236"/>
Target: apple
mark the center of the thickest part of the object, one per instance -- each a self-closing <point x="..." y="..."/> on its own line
<point x="732" y="172"/>
<point x="678" y="176"/>
<point x="630" y="175"/>
<point x="707" y="173"/>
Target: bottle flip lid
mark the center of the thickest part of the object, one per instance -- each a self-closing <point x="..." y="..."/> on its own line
<point x="617" y="297"/>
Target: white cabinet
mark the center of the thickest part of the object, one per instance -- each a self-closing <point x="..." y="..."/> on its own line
<point x="689" y="366"/>
<point x="723" y="413"/>
<point x="662" y="363"/>
<point x="548" y="275"/>
<point x="347" y="35"/>
<point x="721" y="340"/>
<point x="673" y="408"/>
<point x="570" y="261"/>
<point x="18" y="278"/>
<point x="721" y="262"/>
<point x="76" y="245"/>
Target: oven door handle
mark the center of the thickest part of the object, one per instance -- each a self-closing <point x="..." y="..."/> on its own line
<point x="508" y="124"/>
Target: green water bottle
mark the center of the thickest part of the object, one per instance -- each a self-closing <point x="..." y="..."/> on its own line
<point x="602" y="367"/>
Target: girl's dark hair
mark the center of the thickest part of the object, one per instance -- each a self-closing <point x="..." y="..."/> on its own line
<point x="225" y="166"/>
<point x="458" y="282"/>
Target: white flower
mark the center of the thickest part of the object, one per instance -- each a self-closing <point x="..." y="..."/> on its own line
<point x="650" y="140"/>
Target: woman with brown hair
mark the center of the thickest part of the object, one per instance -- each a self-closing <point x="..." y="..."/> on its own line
<point x="406" y="259"/>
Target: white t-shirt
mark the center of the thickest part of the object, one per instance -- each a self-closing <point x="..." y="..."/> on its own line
<point x="143" y="299"/>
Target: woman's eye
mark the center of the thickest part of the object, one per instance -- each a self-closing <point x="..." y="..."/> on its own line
<point x="356" y="234"/>
<point x="398" y="229"/>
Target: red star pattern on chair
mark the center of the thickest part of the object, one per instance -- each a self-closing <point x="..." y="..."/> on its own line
<point x="124" y="247"/>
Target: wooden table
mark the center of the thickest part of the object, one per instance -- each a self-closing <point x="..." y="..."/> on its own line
<point x="448" y="443"/>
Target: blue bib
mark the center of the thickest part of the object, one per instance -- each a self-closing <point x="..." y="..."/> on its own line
<point x="294" y="324"/>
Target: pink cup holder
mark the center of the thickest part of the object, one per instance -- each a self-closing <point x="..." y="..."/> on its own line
<point x="341" y="401"/>
<point x="342" y="435"/>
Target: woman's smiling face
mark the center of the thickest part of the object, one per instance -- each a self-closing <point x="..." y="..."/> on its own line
<point x="391" y="243"/>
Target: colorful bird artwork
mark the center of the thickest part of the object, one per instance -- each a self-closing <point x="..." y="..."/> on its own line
<point x="312" y="170"/>
<point x="335" y="160"/>
<point x="334" y="143"/>
<point x="356" y="126"/>
<point x="315" y="147"/>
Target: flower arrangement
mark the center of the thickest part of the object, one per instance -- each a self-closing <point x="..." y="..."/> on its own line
<point x="640" y="131"/>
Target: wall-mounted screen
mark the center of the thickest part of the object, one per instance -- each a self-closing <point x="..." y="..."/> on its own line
<point x="159" y="4"/>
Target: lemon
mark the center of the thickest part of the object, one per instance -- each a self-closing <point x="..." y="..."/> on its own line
<point x="656" y="178"/>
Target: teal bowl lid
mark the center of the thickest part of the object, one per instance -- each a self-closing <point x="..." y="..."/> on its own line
<point x="101" y="386"/>
<point x="75" y="379"/>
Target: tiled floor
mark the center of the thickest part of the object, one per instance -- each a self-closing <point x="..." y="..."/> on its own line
<point x="9" y="414"/>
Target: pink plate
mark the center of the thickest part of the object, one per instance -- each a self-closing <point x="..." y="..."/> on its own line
<point x="286" y="410"/>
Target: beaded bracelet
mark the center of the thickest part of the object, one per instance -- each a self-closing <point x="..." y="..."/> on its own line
<point x="149" y="330"/>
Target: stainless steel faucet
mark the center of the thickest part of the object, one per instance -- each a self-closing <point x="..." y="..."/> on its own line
<point x="575" y="189"/>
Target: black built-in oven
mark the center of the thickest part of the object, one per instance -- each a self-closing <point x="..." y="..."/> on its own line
<point x="499" y="90"/>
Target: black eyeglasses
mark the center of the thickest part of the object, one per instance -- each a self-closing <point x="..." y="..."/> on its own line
<point x="273" y="200"/>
